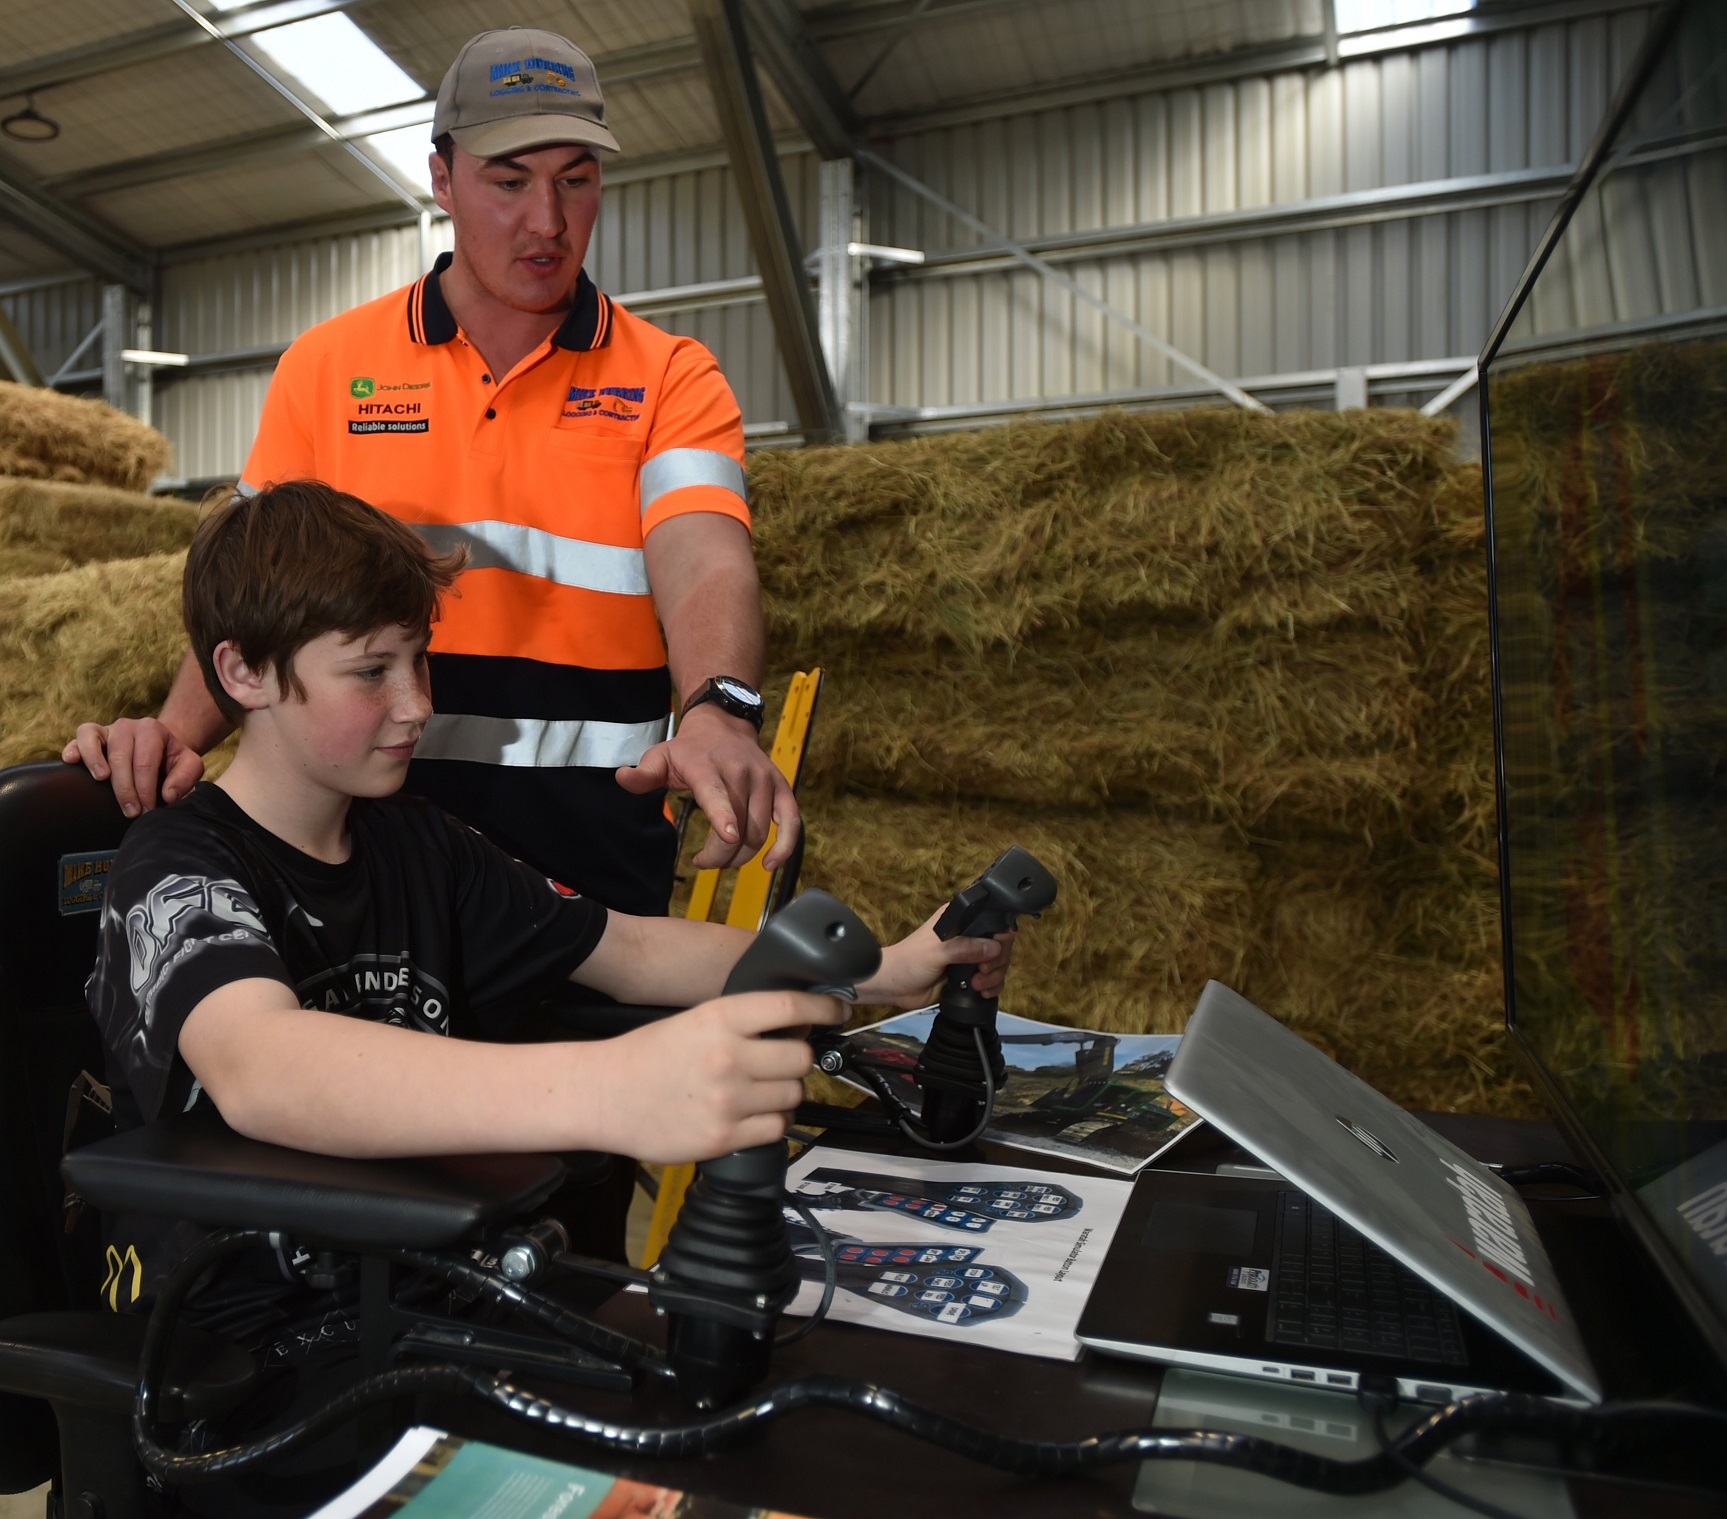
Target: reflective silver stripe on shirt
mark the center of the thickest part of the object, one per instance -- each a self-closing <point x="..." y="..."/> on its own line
<point x="533" y="551"/>
<point x="678" y="467"/>
<point x="537" y="742"/>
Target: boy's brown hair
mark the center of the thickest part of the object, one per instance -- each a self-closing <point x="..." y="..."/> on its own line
<point x="287" y="564"/>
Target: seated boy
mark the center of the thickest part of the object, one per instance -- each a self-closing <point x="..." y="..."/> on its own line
<point x="324" y="960"/>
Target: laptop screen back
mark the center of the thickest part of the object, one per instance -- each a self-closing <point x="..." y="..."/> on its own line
<point x="1414" y="1194"/>
<point x="1605" y="414"/>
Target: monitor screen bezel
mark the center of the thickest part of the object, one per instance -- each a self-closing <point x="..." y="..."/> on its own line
<point x="1701" y="1309"/>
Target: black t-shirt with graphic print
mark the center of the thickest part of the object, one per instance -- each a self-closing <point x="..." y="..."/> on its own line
<point x="425" y="925"/>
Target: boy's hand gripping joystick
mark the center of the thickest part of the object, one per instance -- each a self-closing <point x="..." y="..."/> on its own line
<point x="961" y="1065"/>
<point x="728" y="1270"/>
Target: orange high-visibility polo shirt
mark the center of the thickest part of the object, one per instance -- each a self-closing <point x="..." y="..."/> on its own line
<point x="548" y="668"/>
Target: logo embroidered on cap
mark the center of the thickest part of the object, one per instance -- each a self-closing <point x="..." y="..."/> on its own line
<point x="514" y="78"/>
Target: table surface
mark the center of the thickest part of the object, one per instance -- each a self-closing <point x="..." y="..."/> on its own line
<point x="837" y="1465"/>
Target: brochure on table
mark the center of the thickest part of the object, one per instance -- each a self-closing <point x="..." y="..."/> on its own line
<point x="432" y="1475"/>
<point x="1081" y="1093"/>
<point x="1002" y="1256"/>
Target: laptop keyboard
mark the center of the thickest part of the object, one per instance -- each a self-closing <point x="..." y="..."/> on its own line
<point x="1334" y="1290"/>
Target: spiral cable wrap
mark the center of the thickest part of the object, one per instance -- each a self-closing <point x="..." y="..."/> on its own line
<point x="1482" y="1412"/>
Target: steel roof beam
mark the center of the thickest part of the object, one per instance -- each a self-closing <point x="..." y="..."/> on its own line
<point x="625" y="66"/>
<point x="796" y="66"/>
<point x="163" y="41"/>
<point x="233" y="152"/>
<point x="731" y="74"/>
<point x="72" y="234"/>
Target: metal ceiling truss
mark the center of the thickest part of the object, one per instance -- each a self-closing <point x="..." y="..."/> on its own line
<point x="795" y="64"/>
<point x="787" y="42"/>
<point x="16" y="360"/>
<point x="74" y="235"/>
<point x="720" y="34"/>
<point x="154" y="42"/>
<point x="235" y="152"/>
<point x="409" y="195"/>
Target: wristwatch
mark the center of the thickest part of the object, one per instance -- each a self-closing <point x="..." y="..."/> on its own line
<point x="729" y="694"/>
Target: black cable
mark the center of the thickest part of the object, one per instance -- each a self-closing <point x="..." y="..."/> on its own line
<point x="544" y="1311"/>
<point x="1555" y="1173"/>
<point x="982" y="1123"/>
<point x="1415" y="1473"/>
<point x="912" y="1129"/>
<point x="1028" y="1458"/>
<point x="830" y="1272"/>
<point x="1495" y="1412"/>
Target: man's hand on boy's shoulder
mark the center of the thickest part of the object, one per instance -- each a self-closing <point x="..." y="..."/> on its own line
<point x="143" y="757"/>
<point x="706" y="1082"/>
<point x="150" y="756"/>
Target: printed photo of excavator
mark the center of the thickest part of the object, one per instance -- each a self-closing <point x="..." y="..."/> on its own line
<point x="1096" y="1096"/>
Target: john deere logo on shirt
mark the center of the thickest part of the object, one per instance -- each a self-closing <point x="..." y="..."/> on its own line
<point x="360" y="387"/>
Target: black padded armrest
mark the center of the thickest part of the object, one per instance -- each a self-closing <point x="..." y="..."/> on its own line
<point x="194" y="1166"/>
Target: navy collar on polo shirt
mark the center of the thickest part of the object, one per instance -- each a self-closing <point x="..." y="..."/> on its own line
<point x="586" y="326"/>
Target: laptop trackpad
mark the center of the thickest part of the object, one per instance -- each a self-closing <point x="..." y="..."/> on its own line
<point x="1196" y="1229"/>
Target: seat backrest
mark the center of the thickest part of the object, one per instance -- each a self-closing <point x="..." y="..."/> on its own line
<point x="757" y="892"/>
<point x="59" y="829"/>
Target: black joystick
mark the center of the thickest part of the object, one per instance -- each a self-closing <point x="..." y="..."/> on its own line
<point x="727" y="1271"/>
<point x="961" y="1065"/>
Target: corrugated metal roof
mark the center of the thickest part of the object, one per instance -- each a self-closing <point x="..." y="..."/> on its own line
<point x="945" y="59"/>
<point x="35" y="31"/>
<point x="947" y="53"/>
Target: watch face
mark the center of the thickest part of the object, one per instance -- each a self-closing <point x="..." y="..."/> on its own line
<point x="738" y="691"/>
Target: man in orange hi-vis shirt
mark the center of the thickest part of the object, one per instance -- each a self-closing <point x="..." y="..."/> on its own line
<point x="591" y="464"/>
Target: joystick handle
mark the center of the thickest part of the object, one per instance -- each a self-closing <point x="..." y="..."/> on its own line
<point x="816" y="943"/>
<point x="1016" y="883"/>
<point x="727" y="1270"/>
<point x="963" y="1049"/>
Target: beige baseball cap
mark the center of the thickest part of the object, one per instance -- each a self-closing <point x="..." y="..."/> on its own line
<point x="513" y="90"/>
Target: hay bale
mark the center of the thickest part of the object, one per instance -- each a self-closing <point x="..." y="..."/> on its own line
<point x="98" y="642"/>
<point x="1148" y="909"/>
<point x="1227" y="674"/>
<point x="1322" y="730"/>
<point x="49" y="526"/>
<point x="48" y="436"/>
<point x="1303" y="519"/>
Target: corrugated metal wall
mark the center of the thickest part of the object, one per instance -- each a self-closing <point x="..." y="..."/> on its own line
<point x="1398" y="290"/>
<point x="1639" y="248"/>
<point x="688" y="229"/>
<point x="259" y="299"/>
<point x="1393" y="289"/>
<point x="53" y="319"/>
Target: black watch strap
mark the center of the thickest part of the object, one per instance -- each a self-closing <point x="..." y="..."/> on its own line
<point x="731" y="695"/>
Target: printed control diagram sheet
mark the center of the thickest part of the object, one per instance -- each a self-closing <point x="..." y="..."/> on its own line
<point x="1003" y="1256"/>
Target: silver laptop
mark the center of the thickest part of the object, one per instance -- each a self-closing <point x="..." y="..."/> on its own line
<point x="1378" y="1249"/>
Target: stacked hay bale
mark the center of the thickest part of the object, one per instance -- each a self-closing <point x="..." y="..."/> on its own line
<point x="1226" y="674"/>
<point x="89" y="569"/>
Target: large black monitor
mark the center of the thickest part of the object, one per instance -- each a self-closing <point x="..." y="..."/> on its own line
<point x="1604" y="428"/>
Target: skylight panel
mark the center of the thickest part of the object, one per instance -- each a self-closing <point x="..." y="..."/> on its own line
<point x="1370" y="15"/>
<point x="335" y="60"/>
<point x="406" y="150"/>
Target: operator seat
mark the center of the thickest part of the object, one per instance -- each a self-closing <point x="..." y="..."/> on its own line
<point x="67" y="1367"/>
